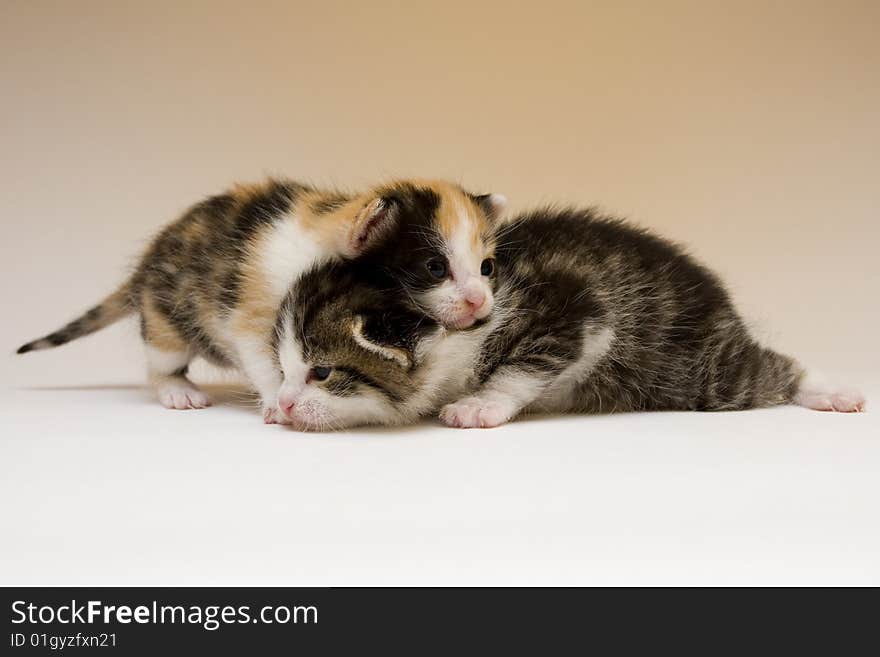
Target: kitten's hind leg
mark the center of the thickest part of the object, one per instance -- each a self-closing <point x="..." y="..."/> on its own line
<point x="168" y="357"/>
<point x="167" y="372"/>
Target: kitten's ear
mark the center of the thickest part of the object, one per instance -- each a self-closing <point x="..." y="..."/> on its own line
<point x="494" y="205"/>
<point x="375" y="344"/>
<point x="373" y="221"/>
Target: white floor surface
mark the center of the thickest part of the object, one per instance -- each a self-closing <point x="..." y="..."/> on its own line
<point x="102" y="486"/>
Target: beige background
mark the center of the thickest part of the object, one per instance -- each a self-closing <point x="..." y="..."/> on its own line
<point x="747" y="130"/>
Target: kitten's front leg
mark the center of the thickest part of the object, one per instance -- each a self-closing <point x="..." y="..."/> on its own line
<point x="538" y="363"/>
<point x="259" y="365"/>
<point x="500" y="399"/>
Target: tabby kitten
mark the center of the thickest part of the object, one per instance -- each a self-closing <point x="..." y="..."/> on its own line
<point x="591" y="315"/>
<point x="211" y="283"/>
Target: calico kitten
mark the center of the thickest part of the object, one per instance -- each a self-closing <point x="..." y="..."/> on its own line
<point x="591" y="315"/>
<point x="211" y="283"/>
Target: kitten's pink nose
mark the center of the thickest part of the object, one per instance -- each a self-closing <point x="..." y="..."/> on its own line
<point x="475" y="296"/>
<point x="287" y="404"/>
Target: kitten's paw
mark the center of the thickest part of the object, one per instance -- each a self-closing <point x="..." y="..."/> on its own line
<point x="473" y="412"/>
<point x="822" y="399"/>
<point x="181" y="396"/>
<point x="271" y="415"/>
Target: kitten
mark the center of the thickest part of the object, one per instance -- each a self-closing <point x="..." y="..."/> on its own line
<point x="591" y="315"/>
<point x="211" y="283"/>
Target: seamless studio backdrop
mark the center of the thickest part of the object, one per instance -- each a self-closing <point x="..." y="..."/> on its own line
<point x="746" y="130"/>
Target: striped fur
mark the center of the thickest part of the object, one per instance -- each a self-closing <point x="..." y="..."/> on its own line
<point x="110" y="310"/>
<point x="591" y="315"/>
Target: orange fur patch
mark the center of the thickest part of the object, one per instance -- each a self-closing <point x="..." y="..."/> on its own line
<point x="332" y="229"/>
<point x="458" y="212"/>
<point x="336" y="228"/>
<point x="158" y="331"/>
<point x="255" y="314"/>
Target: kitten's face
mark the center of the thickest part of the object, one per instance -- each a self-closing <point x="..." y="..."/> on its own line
<point x="441" y="249"/>
<point x="346" y="353"/>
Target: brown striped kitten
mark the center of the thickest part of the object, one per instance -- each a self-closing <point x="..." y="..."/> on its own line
<point x="211" y="283"/>
<point x="591" y="315"/>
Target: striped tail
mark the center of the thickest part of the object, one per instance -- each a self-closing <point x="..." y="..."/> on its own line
<point x="110" y="310"/>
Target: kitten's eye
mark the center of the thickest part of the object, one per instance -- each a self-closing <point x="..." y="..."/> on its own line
<point x="321" y="373"/>
<point x="437" y="268"/>
<point x="488" y="267"/>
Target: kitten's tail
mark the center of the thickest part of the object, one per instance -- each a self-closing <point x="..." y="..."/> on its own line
<point x="112" y="309"/>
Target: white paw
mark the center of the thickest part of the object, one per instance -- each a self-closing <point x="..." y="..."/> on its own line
<point x="182" y="396"/>
<point x="271" y="415"/>
<point x="820" y="399"/>
<point x="473" y="412"/>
